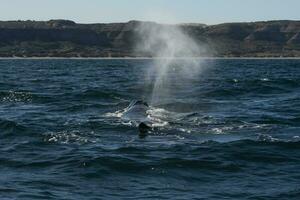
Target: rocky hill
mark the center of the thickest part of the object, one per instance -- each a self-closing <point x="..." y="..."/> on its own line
<point x="64" y="38"/>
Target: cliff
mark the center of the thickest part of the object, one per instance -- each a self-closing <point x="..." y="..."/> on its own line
<point x="64" y="38"/>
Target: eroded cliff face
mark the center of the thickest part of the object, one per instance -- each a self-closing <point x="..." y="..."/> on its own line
<point x="63" y="38"/>
<point x="273" y="38"/>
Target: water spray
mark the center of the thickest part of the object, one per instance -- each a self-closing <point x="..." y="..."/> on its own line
<point x="176" y="61"/>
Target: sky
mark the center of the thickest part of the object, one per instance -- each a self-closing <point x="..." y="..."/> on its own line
<point x="162" y="11"/>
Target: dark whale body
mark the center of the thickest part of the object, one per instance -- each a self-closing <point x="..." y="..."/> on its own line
<point x="137" y="113"/>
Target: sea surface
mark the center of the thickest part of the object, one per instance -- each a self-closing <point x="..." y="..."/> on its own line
<point x="233" y="132"/>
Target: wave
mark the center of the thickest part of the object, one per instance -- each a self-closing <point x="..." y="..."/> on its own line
<point x="208" y="156"/>
<point x="100" y="94"/>
<point x="8" y="127"/>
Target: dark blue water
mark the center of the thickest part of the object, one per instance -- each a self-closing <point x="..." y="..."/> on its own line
<point x="233" y="133"/>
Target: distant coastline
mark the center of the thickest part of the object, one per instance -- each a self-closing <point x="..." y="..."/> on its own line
<point x="67" y="39"/>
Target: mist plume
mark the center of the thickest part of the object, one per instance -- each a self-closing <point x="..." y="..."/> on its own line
<point x="176" y="61"/>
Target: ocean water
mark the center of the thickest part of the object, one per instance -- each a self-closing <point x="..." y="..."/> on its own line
<point x="232" y="133"/>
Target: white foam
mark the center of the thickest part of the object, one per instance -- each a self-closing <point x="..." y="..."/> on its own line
<point x="117" y="114"/>
<point x="185" y="130"/>
<point x="67" y="137"/>
<point x="265" y="79"/>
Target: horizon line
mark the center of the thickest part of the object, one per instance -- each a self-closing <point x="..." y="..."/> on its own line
<point x="150" y="58"/>
<point x="136" y="20"/>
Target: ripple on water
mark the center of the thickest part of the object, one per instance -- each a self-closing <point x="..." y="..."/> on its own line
<point x="63" y="136"/>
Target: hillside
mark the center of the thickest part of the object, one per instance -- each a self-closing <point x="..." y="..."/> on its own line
<point x="64" y="38"/>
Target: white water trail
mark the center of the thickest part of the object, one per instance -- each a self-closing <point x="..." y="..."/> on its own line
<point x="176" y="62"/>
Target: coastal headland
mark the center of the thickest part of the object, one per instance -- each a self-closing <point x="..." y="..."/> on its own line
<point x="65" y="38"/>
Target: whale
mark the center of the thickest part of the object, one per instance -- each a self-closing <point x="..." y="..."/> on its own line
<point x="136" y="112"/>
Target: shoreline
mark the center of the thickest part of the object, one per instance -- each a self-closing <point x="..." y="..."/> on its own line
<point x="148" y="58"/>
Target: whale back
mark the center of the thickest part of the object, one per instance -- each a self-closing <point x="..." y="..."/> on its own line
<point x="136" y="111"/>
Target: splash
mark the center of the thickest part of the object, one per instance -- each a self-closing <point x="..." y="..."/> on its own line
<point x="176" y="62"/>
